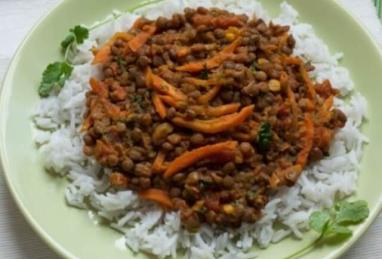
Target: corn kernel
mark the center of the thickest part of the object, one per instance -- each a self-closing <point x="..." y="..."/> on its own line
<point x="262" y="61"/>
<point x="274" y="85"/>
<point x="230" y="36"/>
<point x="228" y="209"/>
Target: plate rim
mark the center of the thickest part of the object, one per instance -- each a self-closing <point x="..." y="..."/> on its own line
<point x="56" y="246"/>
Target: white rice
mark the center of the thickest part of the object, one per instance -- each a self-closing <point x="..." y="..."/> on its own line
<point x="144" y="226"/>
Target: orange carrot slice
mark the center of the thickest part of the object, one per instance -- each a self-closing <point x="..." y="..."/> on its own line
<point x="98" y="87"/>
<point x="213" y="126"/>
<point x="211" y="94"/>
<point x="163" y="87"/>
<point x="212" y="62"/>
<point x="204" y="83"/>
<point x="308" y="82"/>
<point x="159" y="106"/>
<point x="156" y="195"/>
<point x="158" y="165"/>
<point x="169" y="100"/>
<point x="290" y="60"/>
<point x="303" y="155"/>
<point x="281" y="177"/>
<point x="103" y="54"/>
<point x="182" y="52"/>
<point x="88" y="122"/>
<point x="324" y="113"/>
<point x="139" y="40"/>
<point x="215" y="111"/>
<point x="191" y="157"/>
<point x="293" y="103"/>
<point x="197" y="81"/>
<point x="118" y="180"/>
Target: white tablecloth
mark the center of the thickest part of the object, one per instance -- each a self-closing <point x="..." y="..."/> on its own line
<point x="17" y="239"/>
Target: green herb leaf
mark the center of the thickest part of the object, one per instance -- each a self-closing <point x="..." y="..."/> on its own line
<point x="81" y="33"/>
<point x="318" y="220"/>
<point x="336" y="231"/>
<point x="77" y="35"/>
<point x="203" y="74"/>
<point x="67" y="41"/>
<point x="265" y="136"/>
<point x="351" y="212"/>
<point x="54" y="76"/>
<point x="253" y="67"/>
<point x="332" y="226"/>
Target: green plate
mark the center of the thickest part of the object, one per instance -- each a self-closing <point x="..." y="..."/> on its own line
<point x="41" y="196"/>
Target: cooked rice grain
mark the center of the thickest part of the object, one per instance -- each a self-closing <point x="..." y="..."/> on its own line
<point x="145" y="227"/>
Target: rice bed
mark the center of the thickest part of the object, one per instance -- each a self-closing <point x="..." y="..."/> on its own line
<point x="145" y="227"/>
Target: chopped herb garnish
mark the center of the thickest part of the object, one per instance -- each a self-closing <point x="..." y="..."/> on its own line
<point x="54" y="76"/>
<point x="203" y="74"/>
<point x="333" y="225"/>
<point x="265" y="136"/>
<point x="253" y="67"/>
<point x="251" y="195"/>
<point x="138" y="102"/>
<point x="121" y="63"/>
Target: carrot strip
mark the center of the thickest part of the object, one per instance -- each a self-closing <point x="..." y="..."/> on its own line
<point x="156" y="195"/>
<point x="302" y="157"/>
<point x="211" y="94"/>
<point x="114" y="111"/>
<point x="138" y="23"/>
<point x="221" y="21"/>
<point x="158" y="165"/>
<point x="308" y="82"/>
<point x="290" y="60"/>
<point x="190" y="157"/>
<point x="118" y="180"/>
<point x="102" y="148"/>
<point x="88" y="122"/>
<point x="197" y="81"/>
<point x="213" y="126"/>
<point x="182" y="52"/>
<point x="139" y="40"/>
<point x="103" y="54"/>
<point x="283" y="79"/>
<point x="160" y="85"/>
<point x="98" y="87"/>
<point x="325" y="89"/>
<point x="280" y="177"/>
<point x="324" y="114"/>
<point x="204" y="83"/>
<point x="216" y="111"/>
<point x="169" y="100"/>
<point x="322" y="138"/>
<point x="283" y="40"/>
<point x="213" y="61"/>
<point x="293" y="103"/>
<point x="159" y="106"/>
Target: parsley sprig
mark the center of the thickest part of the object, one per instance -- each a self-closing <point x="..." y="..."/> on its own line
<point x="333" y="225"/>
<point x="55" y="74"/>
<point x="54" y="77"/>
<point x="76" y="36"/>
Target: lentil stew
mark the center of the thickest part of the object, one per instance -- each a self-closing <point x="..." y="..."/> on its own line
<point x="207" y="113"/>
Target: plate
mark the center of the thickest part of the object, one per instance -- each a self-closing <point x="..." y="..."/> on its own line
<point x="69" y="231"/>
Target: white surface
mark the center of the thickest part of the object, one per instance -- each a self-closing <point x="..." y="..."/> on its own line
<point x="17" y="239"/>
